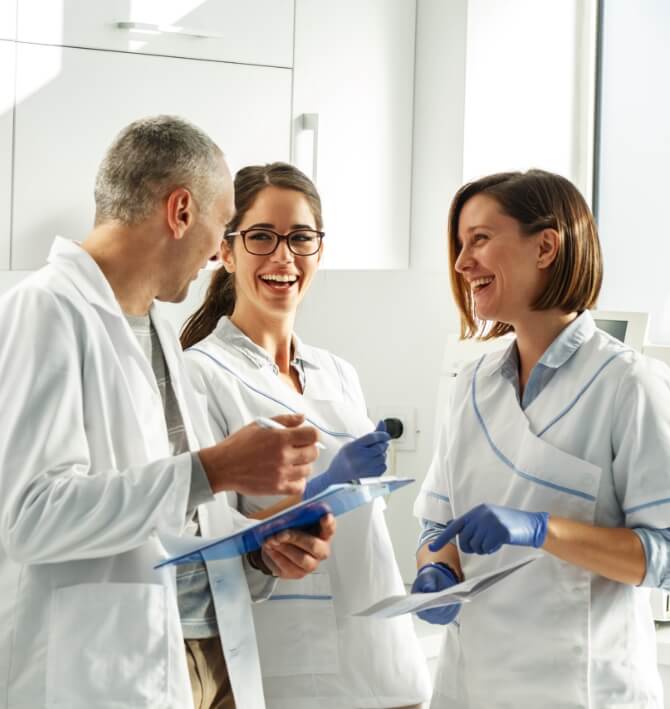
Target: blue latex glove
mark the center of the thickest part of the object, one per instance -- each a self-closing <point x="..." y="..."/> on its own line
<point x="436" y="577"/>
<point x="485" y="528"/>
<point x="363" y="458"/>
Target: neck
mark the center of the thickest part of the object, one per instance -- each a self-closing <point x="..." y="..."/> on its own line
<point x="273" y="334"/>
<point x="126" y="257"/>
<point x="534" y="335"/>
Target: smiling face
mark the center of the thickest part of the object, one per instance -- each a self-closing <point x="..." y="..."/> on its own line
<point x="272" y="285"/>
<point x="500" y="264"/>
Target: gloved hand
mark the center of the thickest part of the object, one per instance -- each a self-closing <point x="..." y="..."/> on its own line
<point x="363" y="458"/>
<point x="485" y="528"/>
<point x="436" y="577"/>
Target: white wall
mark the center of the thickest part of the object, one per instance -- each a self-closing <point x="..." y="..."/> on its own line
<point x="392" y="325"/>
<point x="634" y="159"/>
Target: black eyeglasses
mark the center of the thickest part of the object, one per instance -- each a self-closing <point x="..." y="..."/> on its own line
<point x="263" y="242"/>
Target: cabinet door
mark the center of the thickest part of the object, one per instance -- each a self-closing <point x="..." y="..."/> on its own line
<point x="7" y="56"/>
<point x="8" y="19"/>
<point x="353" y="67"/>
<point x="250" y="32"/>
<point x="64" y="126"/>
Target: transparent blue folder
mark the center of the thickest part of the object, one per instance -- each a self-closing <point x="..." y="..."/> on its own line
<point x="336" y="499"/>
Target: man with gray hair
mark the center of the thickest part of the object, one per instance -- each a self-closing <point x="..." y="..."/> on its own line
<point x="106" y="455"/>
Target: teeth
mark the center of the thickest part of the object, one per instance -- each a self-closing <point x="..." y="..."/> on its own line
<point x="478" y="282"/>
<point x="280" y="277"/>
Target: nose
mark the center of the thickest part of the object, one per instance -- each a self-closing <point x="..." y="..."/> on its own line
<point x="463" y="261"/>
<point x="282" y="253"/>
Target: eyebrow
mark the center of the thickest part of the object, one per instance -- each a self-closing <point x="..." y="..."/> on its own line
<point x="272" y="226"/>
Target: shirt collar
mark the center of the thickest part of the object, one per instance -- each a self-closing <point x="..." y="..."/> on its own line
<point x="569" y="340"/>
<point x="231" y="335"/>
<point x="79" y="266"/>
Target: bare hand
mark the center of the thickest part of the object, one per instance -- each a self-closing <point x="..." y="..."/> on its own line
<point x="260" y="461"/>
<point x="292" y="554"/>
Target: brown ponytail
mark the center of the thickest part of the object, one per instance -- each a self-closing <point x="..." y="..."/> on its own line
<point x="219" y="301"/>
<point x="249" y="183"/>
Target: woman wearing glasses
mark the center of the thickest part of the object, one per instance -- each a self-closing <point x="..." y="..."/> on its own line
<point x="246" y="359"/>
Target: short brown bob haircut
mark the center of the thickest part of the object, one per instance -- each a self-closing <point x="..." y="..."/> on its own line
<point x="537" y="200"/>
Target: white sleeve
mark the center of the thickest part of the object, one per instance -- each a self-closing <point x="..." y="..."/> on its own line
<point x="53" y="505"/>
<point x="641" y="444"/>
<point x="433" y="502"/>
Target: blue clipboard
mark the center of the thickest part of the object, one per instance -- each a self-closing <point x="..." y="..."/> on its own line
<point x="336" y="499"/>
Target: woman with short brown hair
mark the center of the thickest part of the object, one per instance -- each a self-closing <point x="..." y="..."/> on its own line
<point x="560" y="443"/>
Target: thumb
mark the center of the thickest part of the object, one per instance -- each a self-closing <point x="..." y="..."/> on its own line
<point x="290" y="420"/>
<point x="381" y="426"/>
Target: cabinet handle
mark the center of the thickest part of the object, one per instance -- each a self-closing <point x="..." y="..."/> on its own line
<point x="149" y="28"/>
<point x="310" y="122"/>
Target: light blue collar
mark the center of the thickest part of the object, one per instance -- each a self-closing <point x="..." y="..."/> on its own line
<point x="231" y="335"/>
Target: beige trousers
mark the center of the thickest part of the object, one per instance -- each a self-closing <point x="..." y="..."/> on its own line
<point x="209" y="675"/>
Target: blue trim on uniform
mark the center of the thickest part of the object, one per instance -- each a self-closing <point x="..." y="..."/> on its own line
<point x="299" y="597"/>
<point x="655" y="503"/>
<point x="506" y="460"/>
<point x="579" y="395"/>
<point x="335" y="434"/>
<point x="437" y="496"/>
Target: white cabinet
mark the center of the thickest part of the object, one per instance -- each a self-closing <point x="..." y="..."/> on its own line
<point x="7" y="56"/>
<point x="251" y="32"/>
<point x="353" y="75"/>
<point x="7" y="19"/>
<point x="74" y="101"/>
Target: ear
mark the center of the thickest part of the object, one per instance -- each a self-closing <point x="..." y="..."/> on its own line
<point x="227" y="255"/>
<point x="179" y="211"/>
<point x="549" y="241"/>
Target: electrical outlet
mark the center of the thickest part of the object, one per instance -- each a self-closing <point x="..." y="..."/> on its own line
<point x="407" y="414"/>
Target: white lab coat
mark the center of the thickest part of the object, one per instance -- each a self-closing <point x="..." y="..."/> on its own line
<point x="594" y="446"/>
<point x="87" y="483"/>
<point x="313" y="653"/>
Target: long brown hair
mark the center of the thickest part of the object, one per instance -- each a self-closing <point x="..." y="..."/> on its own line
<point x="249" y="183"/>
<point x="537" y="200"/>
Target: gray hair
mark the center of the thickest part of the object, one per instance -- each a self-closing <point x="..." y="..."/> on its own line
<point x="150" y="158"/>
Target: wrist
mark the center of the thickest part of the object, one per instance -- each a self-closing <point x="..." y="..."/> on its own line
<point x="443" y="568"/>
<point x="213" y="460"/>
<point x="542" y="529"/>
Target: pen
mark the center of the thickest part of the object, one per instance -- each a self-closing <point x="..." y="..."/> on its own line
<point x="269" y="423"/>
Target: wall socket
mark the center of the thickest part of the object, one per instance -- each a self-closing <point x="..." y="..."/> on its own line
<point x="407" y="414"/>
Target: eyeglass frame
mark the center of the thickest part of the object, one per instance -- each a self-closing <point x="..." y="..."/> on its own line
<point x="279" y="237"/>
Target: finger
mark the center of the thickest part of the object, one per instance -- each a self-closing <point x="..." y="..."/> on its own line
<point x="301" y="436"/>
<point x="290" y="420"/>
<point x="381" y="426"/>
<point x="466" y="536"/>
<point x="477" y="541"/>
<point x="300" y="456"/>
<point x="298" y="542"/>
<point x="294" y="558"/>
<point x="285" y="568"/>
<point x="293" y="485"/>
<point x="370" y="439"/>
<point x="451" y="530"/>
<point x="328" y="525"/>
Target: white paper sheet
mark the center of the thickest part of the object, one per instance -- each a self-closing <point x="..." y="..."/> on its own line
<point x="460" y="593"/>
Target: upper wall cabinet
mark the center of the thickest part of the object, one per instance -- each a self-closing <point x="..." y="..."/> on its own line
<point x="72" y="102"/>
<point x="8" y="19"/>
<point x="352" y="113"/>
<point x="250" y="32"/>
<point x="7" y="56"/>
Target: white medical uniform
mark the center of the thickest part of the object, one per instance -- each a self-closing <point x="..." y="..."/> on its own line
<point x="594" y="446"/>
<point x="86" y="486"/>
<point x="311" y="648"/>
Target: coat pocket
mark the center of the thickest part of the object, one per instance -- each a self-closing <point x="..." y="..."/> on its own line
<point x="107" y="646"/>
<point x="296" y="629"/>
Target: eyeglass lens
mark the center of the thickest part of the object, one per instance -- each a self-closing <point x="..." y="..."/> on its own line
<point x="303" y="242"/>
